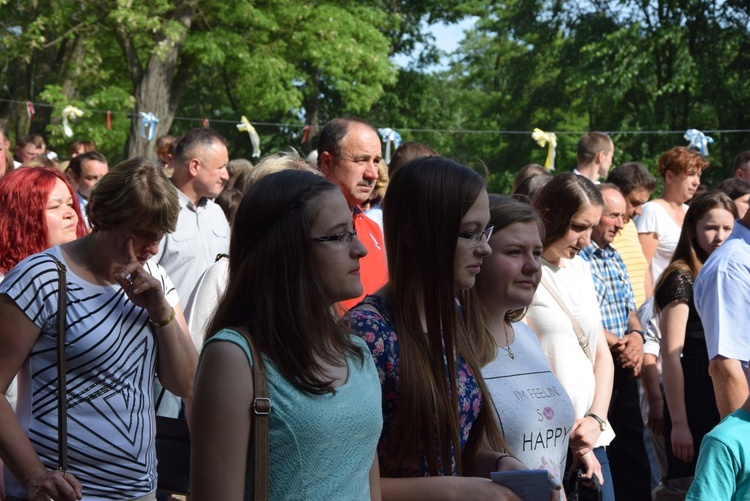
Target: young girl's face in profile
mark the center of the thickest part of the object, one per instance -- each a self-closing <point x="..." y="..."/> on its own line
<point x="471" y="251"/>
<point x="578" y="235"/>
<point x="337" y="257"/>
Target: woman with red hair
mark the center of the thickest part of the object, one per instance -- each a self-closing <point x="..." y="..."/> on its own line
<point x="40" y="210"/>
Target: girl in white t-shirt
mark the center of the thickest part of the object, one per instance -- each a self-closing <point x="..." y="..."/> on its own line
<point x="531" y="405"/>
<point x="570" y="206"/>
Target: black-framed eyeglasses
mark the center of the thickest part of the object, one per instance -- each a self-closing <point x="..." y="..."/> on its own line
<point x="475" y="237"/>
<point x="343" y="238"/>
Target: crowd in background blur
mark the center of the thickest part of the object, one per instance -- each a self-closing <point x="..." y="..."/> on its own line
<point x="420" y="333"/>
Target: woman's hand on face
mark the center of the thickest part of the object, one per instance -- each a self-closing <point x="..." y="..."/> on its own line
<point x="682" y="443"/>
<point x="584" y="435"/>
<point x="45" y="485"/>
<point x="141" y="287"/>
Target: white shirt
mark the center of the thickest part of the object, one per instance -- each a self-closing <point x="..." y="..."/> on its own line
<point x="655" y="219"/>
<point x="575" y="286"/>
<point x="202" y="233"/>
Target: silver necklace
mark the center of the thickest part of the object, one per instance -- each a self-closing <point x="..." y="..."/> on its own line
<point x="507" y="342"/>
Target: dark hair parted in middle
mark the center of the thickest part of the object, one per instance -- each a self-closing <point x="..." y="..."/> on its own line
<point x="422" y="212"/>
<point x="274" y="288"/>
<point x="560" y="200"/>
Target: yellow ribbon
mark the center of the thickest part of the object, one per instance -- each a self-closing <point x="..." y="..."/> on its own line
<point x="543" y="139"/>
<point x="246" y="126"/>
<point x="70" y="113"/>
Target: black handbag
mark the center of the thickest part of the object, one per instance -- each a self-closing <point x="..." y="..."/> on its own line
<point x="583" y="489"/>
<point x="172" y="453"/>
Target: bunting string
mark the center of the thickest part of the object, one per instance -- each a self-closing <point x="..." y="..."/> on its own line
<point x="299" y="125"/>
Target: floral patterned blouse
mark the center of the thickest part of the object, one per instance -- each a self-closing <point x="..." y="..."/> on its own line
<point x="378" y="331"/>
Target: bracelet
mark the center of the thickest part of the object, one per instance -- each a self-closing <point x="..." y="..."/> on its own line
<point x="162" y="323"/>
<point x="643" y="336"/>
<point x="500" y="458"/>
<point x="602" y="423"/>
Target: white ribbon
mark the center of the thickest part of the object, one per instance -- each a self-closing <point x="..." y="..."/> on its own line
<point x="246" y="126"/>
<point x="389" y="136"/>
<point x="70" y="113"/>
<point x="147" y="130"/>
<point x="698" y="140"/>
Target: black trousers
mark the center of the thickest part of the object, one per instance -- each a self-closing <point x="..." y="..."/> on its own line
<point x="631" y="472"/>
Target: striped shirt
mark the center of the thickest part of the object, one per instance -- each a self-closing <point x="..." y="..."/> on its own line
<point x="629" y="247"/>
<point x="111" y="359"/>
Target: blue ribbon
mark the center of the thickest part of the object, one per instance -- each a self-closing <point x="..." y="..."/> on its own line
<point x="148" y="125"/>
<point x="698" y="140"/>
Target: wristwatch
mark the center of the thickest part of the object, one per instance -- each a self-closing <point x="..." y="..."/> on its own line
<point x="643" y="336"/>
<point x="602" y="423"/>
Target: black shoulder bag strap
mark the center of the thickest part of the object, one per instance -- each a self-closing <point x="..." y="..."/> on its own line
<point x="62" y="401"/>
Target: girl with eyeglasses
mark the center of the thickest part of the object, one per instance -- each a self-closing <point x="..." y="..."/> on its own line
<point x="293" y="254"/>
<point x="440" y="440"/>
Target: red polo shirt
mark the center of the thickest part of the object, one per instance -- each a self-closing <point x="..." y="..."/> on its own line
<point x="373" y="267"/>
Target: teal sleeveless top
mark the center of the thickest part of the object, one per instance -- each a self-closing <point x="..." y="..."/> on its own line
<point x="320" y="446"/>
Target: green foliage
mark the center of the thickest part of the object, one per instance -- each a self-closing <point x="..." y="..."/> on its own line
<point x="92" y="125"/>
<point x="648" y="69"/>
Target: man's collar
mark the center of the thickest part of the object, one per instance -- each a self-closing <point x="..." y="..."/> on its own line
<point x="579" y="173"/>
<point x="606" y="251"/>
<point x="186" y="202"/>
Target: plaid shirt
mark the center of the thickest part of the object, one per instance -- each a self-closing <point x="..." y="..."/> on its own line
<point x="613" y="288"/>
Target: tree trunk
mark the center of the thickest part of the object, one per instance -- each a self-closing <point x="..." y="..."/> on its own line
<point x="311" y="103"/>
<point x="154" y="87"/>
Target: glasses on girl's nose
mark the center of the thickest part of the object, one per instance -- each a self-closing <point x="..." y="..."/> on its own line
<point x="474" y="238"/>
<point x="342" y="239"/>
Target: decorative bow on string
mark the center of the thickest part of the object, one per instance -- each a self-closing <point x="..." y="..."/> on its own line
<point x="542" y="139"/>
<point x="147" y="130"/>
<point x="305" y="133"/>
<point x="70" y="113"/>
<point x="698" y="140"/>
<point x="389" y="137"/>
<point x="246" y="126"/>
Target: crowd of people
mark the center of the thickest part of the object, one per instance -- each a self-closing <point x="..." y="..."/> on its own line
<point x="419" y="334"/>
